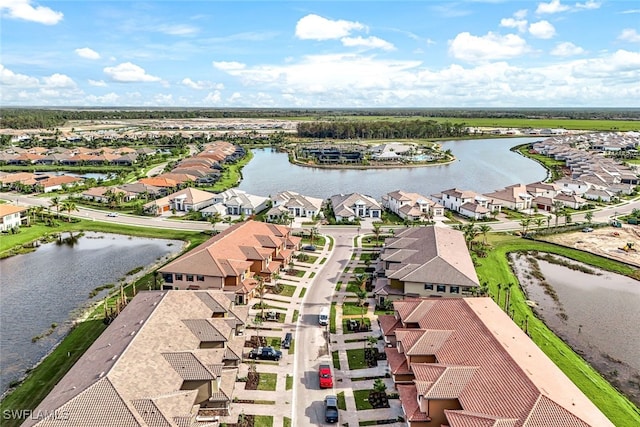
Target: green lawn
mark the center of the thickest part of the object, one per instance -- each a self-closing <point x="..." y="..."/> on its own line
<point x="267" y="381"/>
<point x="362" y="399"/>
<point x="292" y="347"/>
<point x="296" y="313"/>
<point x="342" y="403"/>
<point x="336" y="359"/>
<point x="312" y="275"/>
<point x="323" y="260"/>
<point x="274" y="342"/>
<point x="287" y="290"/>
<point x="345" y="331"/>
<point x="296" y="273"/>
<point x="495" y="269"/>
<point x="368" y="256"/>
<point x="286" y="422"/>
<point x="352" y="308"/>
<point x="332" y="318"/>
<point x="356" y="359"/>
<point x="263" y="421"/>
<point x="289" y="382"/>
<point x="353" y="286"/>
<point x="231" y="174"/>
<point x="302" y="293"/>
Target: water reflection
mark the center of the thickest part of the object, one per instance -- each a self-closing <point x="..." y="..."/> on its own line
<point x="52" y="286"/>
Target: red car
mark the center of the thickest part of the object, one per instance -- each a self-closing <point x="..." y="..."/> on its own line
<point x="324" y="376"/>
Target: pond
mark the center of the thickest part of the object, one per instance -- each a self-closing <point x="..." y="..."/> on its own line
<point x="52" y="285"/>
<point x="596" y="314"/>
<point x="482" y="165"/>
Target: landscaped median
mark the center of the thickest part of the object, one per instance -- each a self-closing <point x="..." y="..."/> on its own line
<point x="495" y="269"/>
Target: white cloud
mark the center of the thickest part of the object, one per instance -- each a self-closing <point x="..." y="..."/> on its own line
<point x="163" y="99"/>
<point x="200" y="84"/>
<point x="108" y="99"/>
<point x="23" y="9"/>
<point x="314" y="27"/>
<point x="213" y="98"/>
<point x="87" y="53"/>
<point x="542" y="30"/>
<point x="552" y="7"/>
<point x="629" y="35"/>
<point x="589" y="4"/>
<point x="521" y="14"/>
<point x="178" y="30"/>
<point x="9" y="78"/>
<point x="97" y="83"/>
<point x="228" y="66"/>
<point x="567" y="49"/>
<point x="59" y="81"/>
<point x="128" y="73"/>
<point x="486" y="48"/>
<point x="369" y="43"/>
<point x="520" y="24"/>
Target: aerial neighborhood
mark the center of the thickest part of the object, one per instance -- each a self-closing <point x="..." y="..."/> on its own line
<point x="290" y="296"/>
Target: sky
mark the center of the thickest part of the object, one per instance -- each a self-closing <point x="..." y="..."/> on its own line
<point x="320" y="54"/>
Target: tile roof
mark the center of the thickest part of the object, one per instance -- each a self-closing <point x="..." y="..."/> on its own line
<point x="492" y="368"/>
<point x="6" y="209"/>
<point x="204" y="330"/>
<point x="140" y="362"/>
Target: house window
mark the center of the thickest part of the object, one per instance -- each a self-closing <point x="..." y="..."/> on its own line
<point x="189" y="277"/>
<point x="168" y="278"/>
<point x="178" y="276"/>
<point x="200" y="278"/>
<point x="428" y="287"/>
<point x="454" y="289"/>
<point x="441" y="288"/>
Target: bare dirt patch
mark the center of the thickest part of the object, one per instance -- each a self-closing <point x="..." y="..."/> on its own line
<point x="607" y="241"/>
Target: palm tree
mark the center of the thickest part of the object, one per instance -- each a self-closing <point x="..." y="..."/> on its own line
<point x="539" y="221"/>
<point x="484" y="229"/>
<point x="557" y="209"/>
<point x="376" y="231"/>
<point x="499" y="288"/>
<point x="567" y="218"/>
<point x="548" y="221"/>
<point x="214" y="219"/>
<point x="361" y="280"/>
<point x="312" y="234"/>
<point x="507" y="297"/>
<point x="525" y="224"/>
<point x="69" y="205"/>
<point x="261" y="289"/>
<point x="361" y="294"/>
<point x="55" y="203"/>
<point x="589" y="216"/>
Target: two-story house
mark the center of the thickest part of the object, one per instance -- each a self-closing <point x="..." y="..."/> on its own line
<point x="412" y="206"/>
<point x="355" y="206"/>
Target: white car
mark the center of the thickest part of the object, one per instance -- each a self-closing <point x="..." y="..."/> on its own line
<point x="112" y="214"/>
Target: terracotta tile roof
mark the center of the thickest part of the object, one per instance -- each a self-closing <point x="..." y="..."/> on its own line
<point x="409" y="399"/>
<point x="429" y="342"/>
<point x="471" y="419"/>
<point x="150" y="413"/>
<point x="507" y="376"/>
<point x="397" y="361"/>
<point x="6" y="209"/>
<point x="231" y="252"/>
<point x="388" y="323"/>
<point x="213" y="305"/>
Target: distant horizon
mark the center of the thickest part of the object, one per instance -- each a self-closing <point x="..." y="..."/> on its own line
<point x="320" y="54"/>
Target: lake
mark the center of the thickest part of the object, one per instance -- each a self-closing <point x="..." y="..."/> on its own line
<point x="52" y="285"/>
<point x="482" y="165"/>
<point x="596" y="314"/>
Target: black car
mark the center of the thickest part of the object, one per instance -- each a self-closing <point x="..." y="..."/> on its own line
<point x="265" y="353"/>
<point x="286" y="342"/>
<point x="331" y="409"/>
<point x="309" y="248"/>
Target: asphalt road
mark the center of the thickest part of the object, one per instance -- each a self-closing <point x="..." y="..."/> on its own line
<point x="312" y="345"/>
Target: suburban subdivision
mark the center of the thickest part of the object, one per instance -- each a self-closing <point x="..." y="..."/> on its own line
<point x="367" y="305"/>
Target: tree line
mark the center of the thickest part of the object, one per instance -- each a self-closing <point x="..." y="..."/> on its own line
<point x="380" y="129"/>
<point x="43" y="118"/>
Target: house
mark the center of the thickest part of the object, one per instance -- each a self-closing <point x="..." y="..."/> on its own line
<point x="575" y="186"/>
<point x="142" y="190"/>
<point x="467" y="203"/>
<point x="354" y="206"/>
<point x="570" y="200"/>
<point x="600" y="195"/>
<point x="12" y="216"/>
<point x="231" y="260"/>
<point x="474" y="210"/>
<point x="412" y="206"/>
<point x="54" y="183"/>
<point x="425" y="261"/>
<point x="169" y="358"/>
<point x="160" y="182"/>
<point x="104" y="194"/>
<point x="543" y="189"/>
<point x="445" y="355"/>
<point x="297" y="205"/>
<point x="185" y="200"/>
<point x="514" y="197"/>
<point x="236" y="202"/>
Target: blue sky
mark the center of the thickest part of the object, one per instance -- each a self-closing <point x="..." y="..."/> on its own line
<point x="323" y="54"/>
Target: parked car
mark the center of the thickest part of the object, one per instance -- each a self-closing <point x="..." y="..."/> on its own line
<point x="309" y="248"/>
<point x="324" y="376"/>
<point x="353" y="325"/>
<point x="286" y="342"/>
<point x="587" y="230"/>
<point x="265" y="353"/>
<point x="112" y="214"/>
<point x="331" y="409"/>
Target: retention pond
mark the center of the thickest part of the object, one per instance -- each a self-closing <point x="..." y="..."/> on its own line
<point x="43" y="292"/>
